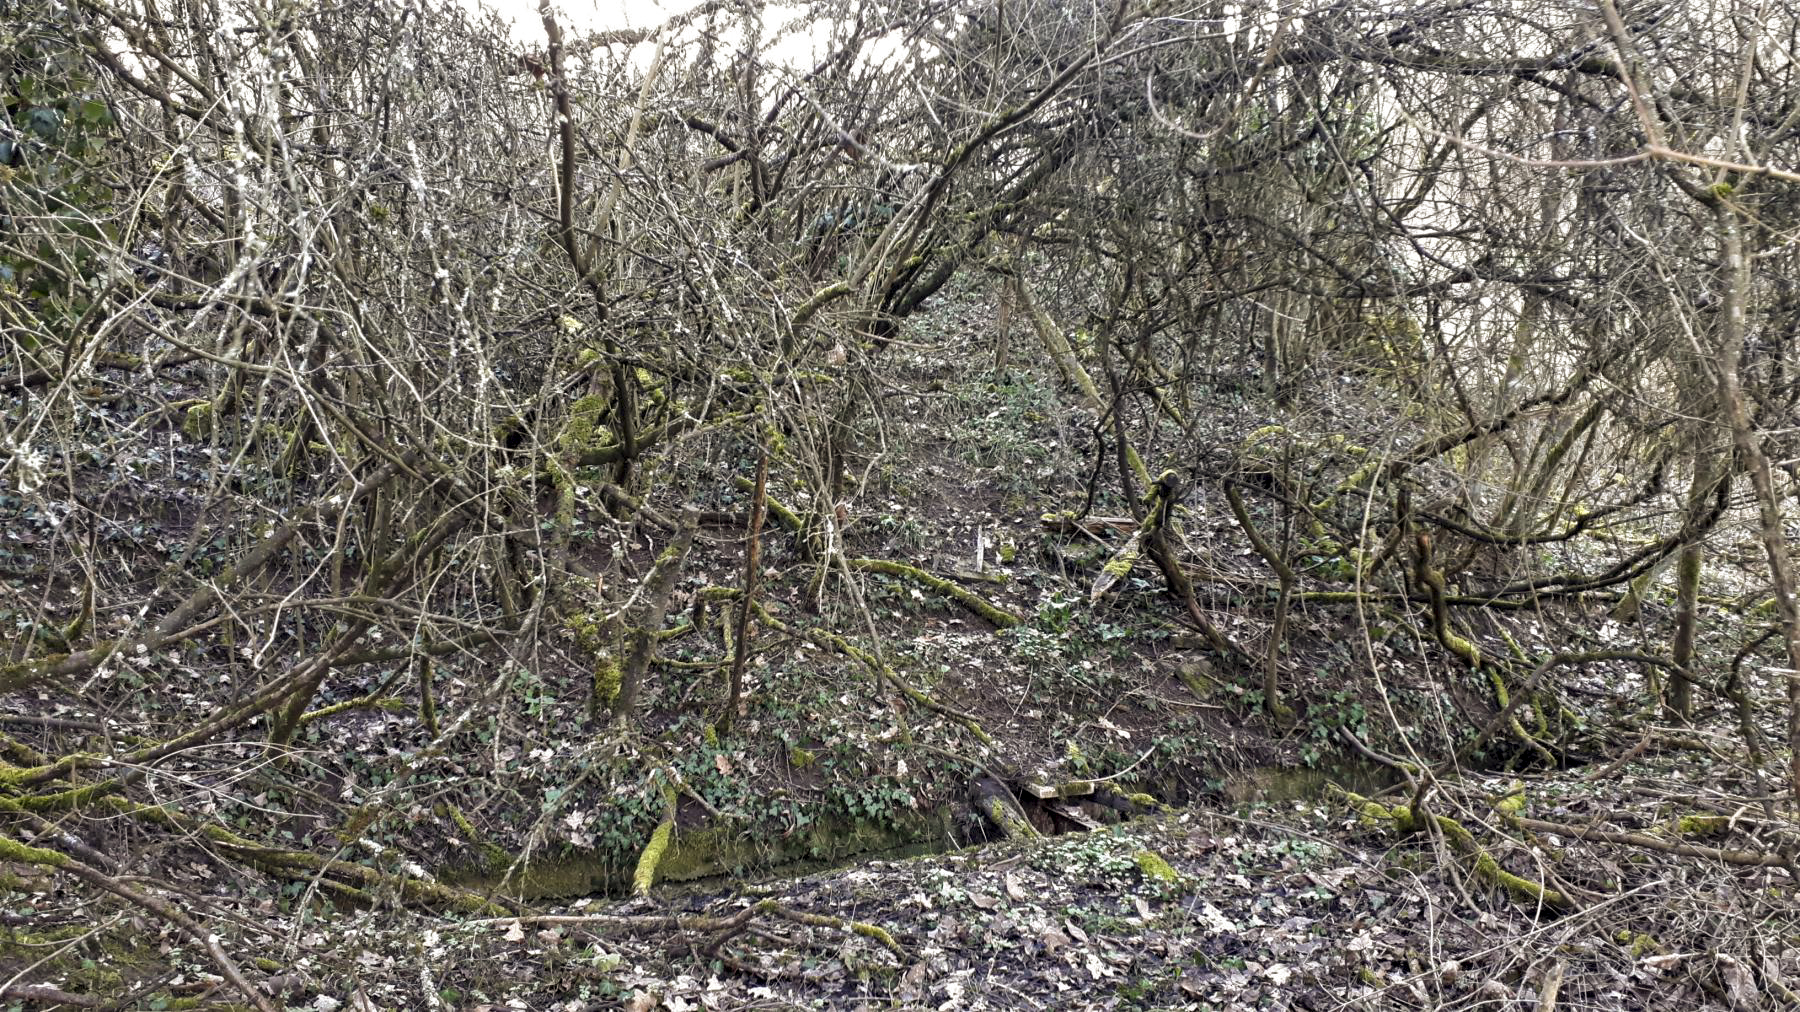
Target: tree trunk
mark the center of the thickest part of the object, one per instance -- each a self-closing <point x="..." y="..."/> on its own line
<point x="740" y="654"/>
<point x="658" y="587"/>
<point x="1749" y="448"/>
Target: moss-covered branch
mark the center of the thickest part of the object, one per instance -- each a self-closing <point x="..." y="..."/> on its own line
<point x="961" y="595"/>
<point x="1432" y="580"/>
<point x="1403" y="820"/>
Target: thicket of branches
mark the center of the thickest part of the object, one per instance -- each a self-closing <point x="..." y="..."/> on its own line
<point x="391" y="300"/>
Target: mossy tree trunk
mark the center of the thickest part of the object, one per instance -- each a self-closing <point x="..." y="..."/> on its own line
<point x="1688" y="570"/>
<point x="659" y="586"/>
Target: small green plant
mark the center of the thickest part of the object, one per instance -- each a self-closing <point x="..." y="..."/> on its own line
<point x="1323" y="718"/>
<point x="1111" y="858"/>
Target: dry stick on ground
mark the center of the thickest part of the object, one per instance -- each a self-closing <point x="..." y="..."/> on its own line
<point x="1747" y="858"/>
<point x="733" y="924"/>
<point x="43" y="994"/>
<point x="974" y="602"/>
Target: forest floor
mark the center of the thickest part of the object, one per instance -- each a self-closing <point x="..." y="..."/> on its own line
<point x="1634" y="875"/>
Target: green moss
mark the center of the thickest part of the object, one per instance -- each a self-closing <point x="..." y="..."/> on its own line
<point x="1513" y="802"/>
<point x="1152" y="866"/>
<point x="69" y="800"/>
<point x="583" y="431"/>
<point x="968" y="599"/>
<point x="712" y="851"/>
<point x="1198" y="679"/>
<point x="645" y="876"/>
<point x="800" y="758"/>
<point x="198" y="425"/>
<point x="1360" y="476"/>
<point x="1007" y="819"/>
<point x="1702" y="825"/>
<point x="1120" y="565"/>
<point x="1264" y="434"/>
<point x="13" y="850"/>
<point x="607" y="678"/>
<point x="877" y="933"/>
<point x="1405" y="821"/>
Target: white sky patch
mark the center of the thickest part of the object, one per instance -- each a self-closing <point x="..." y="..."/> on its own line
<point x="578" y="17"/>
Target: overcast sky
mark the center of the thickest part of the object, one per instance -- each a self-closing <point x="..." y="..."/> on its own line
<point x="584" y="15"/>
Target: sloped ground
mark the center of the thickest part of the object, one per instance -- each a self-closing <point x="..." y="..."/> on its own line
<point x="1272" y="907"/>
